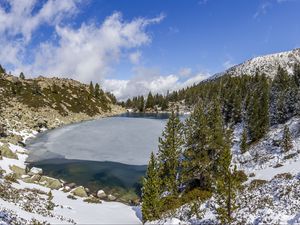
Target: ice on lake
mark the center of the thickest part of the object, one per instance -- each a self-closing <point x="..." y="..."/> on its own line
<point x="117" y="139"/>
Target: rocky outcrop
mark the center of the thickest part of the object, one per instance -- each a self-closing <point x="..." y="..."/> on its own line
<point x="6" y="152"/>
<point x="35" y="171"/>
<point x="50" y="182"/>
<point x="80" y="192"/>
<point x="18" y="171"/>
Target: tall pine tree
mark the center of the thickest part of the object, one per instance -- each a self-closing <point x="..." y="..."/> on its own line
<point x="170" y="149"/>
<point x="227" y="184"/>
<point x="286" y="142"/>
<point x="151" y="192"/>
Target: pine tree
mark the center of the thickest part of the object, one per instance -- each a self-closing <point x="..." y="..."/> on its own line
<point x="170" y="148"/>
<point x="150" y="101"/>
<point x="151" y="192"/>
<point x="141" y="104"/>
<point x="97" y="90"/>
<point x="2" y="70"/>
<point x="227" y="184"/>
<point x="91" y="88"/>
<point x="196" y="158"/>
<point x="243" y="145"/>
<point x="22" y="76"/>
<point x="286" y="143"/>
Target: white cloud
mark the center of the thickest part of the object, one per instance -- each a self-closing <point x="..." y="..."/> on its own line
<point x="88" y="52"/>
<point x="135" y="57"/>
<point x="262" y="9"/>
<point x="185" y="72"/>
<point x="21" y="19"/>
<point x="150" y="80"/>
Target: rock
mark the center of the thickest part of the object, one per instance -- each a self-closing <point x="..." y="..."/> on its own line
<point x="111" y="197"/>
<point x="87" y="190"/>
<point x="79" y="191"/>
<point x="50" y="182"/>
<point x="25" y="176"/>
<point x="33" y="179"/>
<point x="2" y="130"/>
<point x="101" y="194"/>
<point x="18" y="171"/>
<point x="6" y="152"/>
<point x="71" y="185"/>
<point x="35" y="171"/>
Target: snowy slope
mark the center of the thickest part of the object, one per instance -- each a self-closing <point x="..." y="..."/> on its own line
<point x="24" y="203"/>
<point x="267" y="64"/>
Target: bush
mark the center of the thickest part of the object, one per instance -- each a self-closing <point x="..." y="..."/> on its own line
<point x="93" y="200"/>
<point x="11" y="178"/>
<point x="71" y="197"/>
<point x="285" y="176"/>
<point x="195" y="194"/>
<point x="257" y="183"/>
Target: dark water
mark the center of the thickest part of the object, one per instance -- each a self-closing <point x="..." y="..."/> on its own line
<point x="109" y="176"/>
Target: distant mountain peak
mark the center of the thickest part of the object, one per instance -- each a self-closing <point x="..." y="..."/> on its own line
<point x="267" y="64"/>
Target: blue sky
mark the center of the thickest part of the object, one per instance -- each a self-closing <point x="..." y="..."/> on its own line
<point x="133" y="46"/>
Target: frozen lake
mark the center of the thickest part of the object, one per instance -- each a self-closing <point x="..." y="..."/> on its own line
<point x="126" y="139"/>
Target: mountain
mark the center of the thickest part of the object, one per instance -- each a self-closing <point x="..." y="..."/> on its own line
<point x="267" y="64"/>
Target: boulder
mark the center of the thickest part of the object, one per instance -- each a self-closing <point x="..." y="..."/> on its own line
<point x="33" y="179"/>
<point x="71" y="185"/>
<point x="50" y="182"/>
<point x="101" y="194"/>
<point x="111" y="197"/>
<point x="79" y="191"/>
<point x="35" y="171"/>
<point x="18" y="171"/>
<point x="6" y="152"/>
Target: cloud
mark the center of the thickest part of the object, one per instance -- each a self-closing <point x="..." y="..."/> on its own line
<point x="262" y="9"/>
<point x="21" y="19"/>
<point x="185" y="72"/>
<point x="150" y="80"/>
<point x="135" y="57"/>
<point x="84" y="53"/>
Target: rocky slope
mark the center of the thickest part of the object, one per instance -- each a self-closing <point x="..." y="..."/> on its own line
<point x="267" y="64"/>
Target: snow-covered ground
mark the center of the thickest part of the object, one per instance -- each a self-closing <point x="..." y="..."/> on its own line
<point x="272" y="192"/>
<point x="27" y="202"/>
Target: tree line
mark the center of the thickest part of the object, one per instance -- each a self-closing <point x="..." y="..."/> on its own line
<point x="194" y="157"/>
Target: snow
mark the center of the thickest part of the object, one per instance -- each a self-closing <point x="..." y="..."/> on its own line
<point x="67" y="210"/>
<point x="269" y="172"/>
<point x="116" y="139"/>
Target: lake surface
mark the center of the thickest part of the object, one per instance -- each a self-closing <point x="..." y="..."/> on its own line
<point x="128" y="139"/>
<point x="109" y="153"/>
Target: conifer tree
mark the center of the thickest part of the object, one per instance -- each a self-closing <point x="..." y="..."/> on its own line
<point x="151" y="192"/>
<point x="227" y="184"/>
<point x="91" y="88"/>
<point x="22" y="76"/>
<point x="150" y="101"/>
<point x="196" y="158"/>
<point x="2" y="70"/>
<point x="141" y="106"/>
<point x="243" y="145"/>
<point x="170" y="148"/>
<point x="286" y="139"/>
<point x="97" y="90"/>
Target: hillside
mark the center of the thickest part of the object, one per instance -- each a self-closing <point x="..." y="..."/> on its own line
<point x="267" y="64"/>
<point x="237" y="153"/>
<point x="46" y="102"/>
